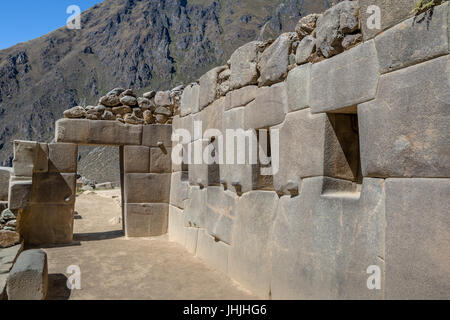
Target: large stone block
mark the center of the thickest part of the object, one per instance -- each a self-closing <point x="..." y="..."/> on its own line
<point x="147" y="187"/>
<point x="299" y="87"/>
<point x="325" y="239"/>
<point x="146" y="219"/>
<point x="404" y="131"/>
<point x="213" y="253"/>
<point x="55" y="188"/>
<point x="417" y="239"/>
<point x="250" y="254"/>
<point x="19" y="193"/>
<point x="345" y="80"/>
<point x="315" y="145"/>
<point x="5" y="174"/>
<point x="208" y="87"/>
<point x="63" y="157"/>
<point x="415" y="40"/>
<point x="157" y="134"/>
<point x="176" y="225"/>
<point x="237" y="174"/>
<point x="220" y="215"/>
<point x="24" y="157"/>
<point x="391" y="13"/>
<point x="190" y="100"/>
<point x="46" y="224"/>
<point x="28" y="279"/>
<point x="161" y="160"/>
<point x="97" y="132"/>
<point x="41" y="158"/>
<point x="240" y="97"/>
<point x="274" y="61"/>
<point x="244" y="65"/>
<point x="209" y="119"/>
<point x="204" y="173"/>
<point x="195" y="212"/>
<point x="136" y="159"/>
<point x="268" y="109"/>
<point x="179" y="189"/>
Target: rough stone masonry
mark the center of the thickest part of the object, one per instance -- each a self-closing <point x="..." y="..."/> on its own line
<point x="363" y="180"/>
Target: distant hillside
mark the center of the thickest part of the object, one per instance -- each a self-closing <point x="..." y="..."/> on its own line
<point x="128" y="43"/>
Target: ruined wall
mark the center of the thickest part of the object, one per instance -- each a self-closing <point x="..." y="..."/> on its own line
<point x="363" y="145"/>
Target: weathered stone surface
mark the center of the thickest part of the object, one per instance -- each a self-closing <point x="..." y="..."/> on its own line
<point x="240" y="97"/>
<point x="148" y="117"/>
<point x="195" y="211"/>
<point x="162" y="99"/>
<point x="176" y="225"/>
<point x="179" y="189"/>
<point x="241" y="175"/>
<point x="317" y="147"/>
<point x="8" y="238"/>
<point x="41" y="158"/>
<point x="351" y="40"/>
<point x="63" y="157"/>
<point x="268" y="109"/>
<point x="190" y="100"/>
<point x="136" y="159"/>
<point x="146" y="104"/>
<point x="274" y="61"/>
<point x="298" y="87"/>
<point x="417" y="239"/>
<point x="75" y="112"/>
<point x="146" y="219"/>
<point x="244" y="65"/>
<point x="132" y="119"/>
<point x="147" y="188"/>
<point x="306" y="25"/>
<point x="345" y="80"/>
<point x="186" y="124"/>
<point x="28" y="279"/>
<point x="149" y="95"/>
<point x="212" y="252"/>
<point x="252" y="241"/>
<point x="333" y="25"/>
<point x="208" y="87"/>
<point x="25" y="153"/>
<point x="154" y="135"/>
<point x="19" y="193"/>
<point x="191" y="239"/>
<point x="46" y="224"/>
<point x="324" y="241"/>
<point x="97" y="132"/>
<point x="392" y="13"/>
<point x="404" y="131"/>
<point x="220" y="215"/>
<point x="414" y="40"/>
<point x="203" y="174"/>
<point x="7" y="258"/>
<point x="122" y="110"/>
<point x="5" y="174"/>
<point x="160" y="160"/>
<point x="305" y="49"/>
<point x="55" y="188"/>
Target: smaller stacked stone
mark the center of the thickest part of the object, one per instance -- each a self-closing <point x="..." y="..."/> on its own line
<point x="125" y="106"/>
<point x="8" y="220"/>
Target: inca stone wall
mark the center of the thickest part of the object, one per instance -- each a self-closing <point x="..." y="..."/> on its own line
<point x="361" y="117"/>
<point x="363" y="174"/>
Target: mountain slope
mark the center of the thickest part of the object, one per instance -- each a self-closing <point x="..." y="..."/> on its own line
<point x="128" y="43"/>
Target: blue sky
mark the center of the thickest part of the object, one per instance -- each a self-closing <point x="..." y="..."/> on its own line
<point x="23" y="20"/>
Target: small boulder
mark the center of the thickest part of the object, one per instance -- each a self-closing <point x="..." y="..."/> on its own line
<point x="128" y="92"/>
<point x="75" y="113"/>
<point x="305" y="49"/>
<point x="162" y="99"/>
<point x="7" y="215"/>
<point x="110" y="100"/>
<point x="306" y="25"/>
<point x="148" y="117"/>
<point x="129" y="101"/>
<point x="146" y="104"/>
<point x="108" y="115"/>
<point x="149" y="95"/>
<point x="121" y="110"/>
<point x="351" y="40"/>
<point x="161" y="118"/>
<point x="132" y="119"/>
<point x="163" y="111"/>
<point x="115" y="92"/>
<point x="8" y="238"/>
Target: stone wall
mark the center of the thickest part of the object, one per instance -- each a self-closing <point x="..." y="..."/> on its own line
<point x="364" y="173"/>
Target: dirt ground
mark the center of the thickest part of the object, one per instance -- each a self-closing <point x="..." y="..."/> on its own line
<point x="114" y="267"/>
